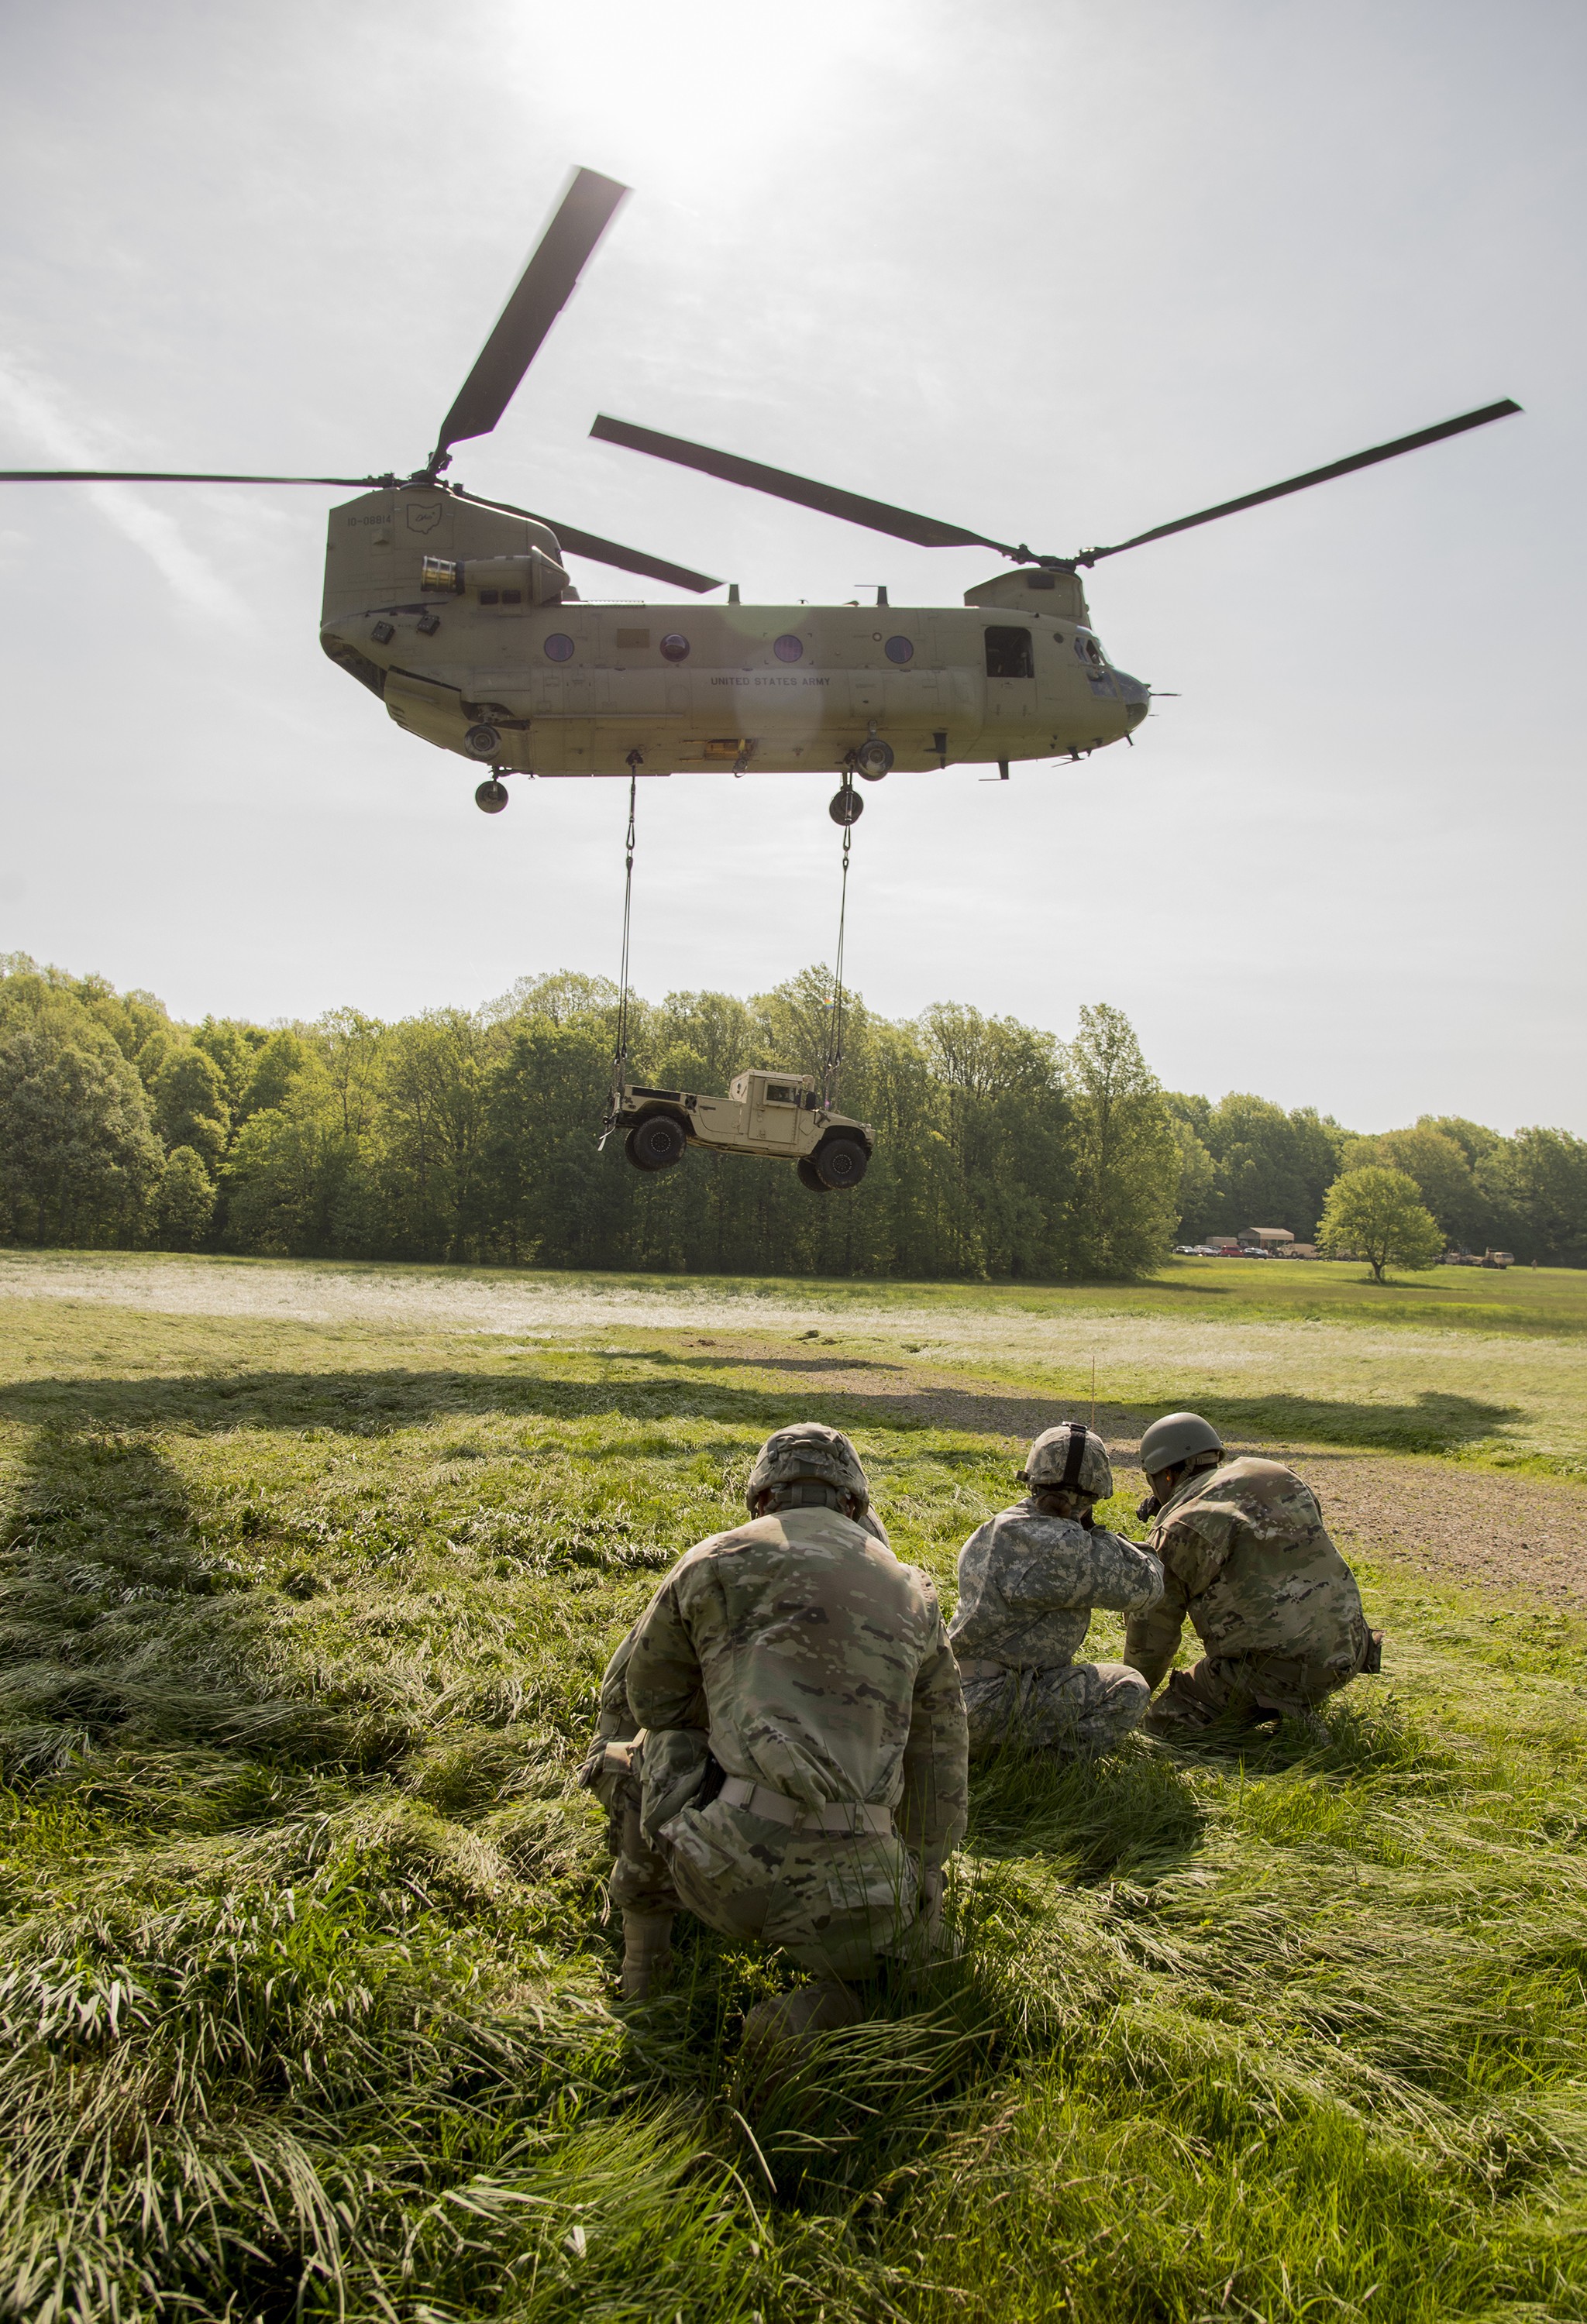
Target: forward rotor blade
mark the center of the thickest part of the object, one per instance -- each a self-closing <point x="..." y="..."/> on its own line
<point x="544" y="289"/>
<point x="602" y="552"/>
<point x="926" y="531"/>
<point x="165" y="476"/>
<point x="1314" y="476"/>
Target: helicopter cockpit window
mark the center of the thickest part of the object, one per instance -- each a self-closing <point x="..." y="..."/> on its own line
<point x="1089" y="646"/>
<point x="1007" y="654"/>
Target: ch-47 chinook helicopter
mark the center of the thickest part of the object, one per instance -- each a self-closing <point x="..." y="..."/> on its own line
<point x="457" y="613"/>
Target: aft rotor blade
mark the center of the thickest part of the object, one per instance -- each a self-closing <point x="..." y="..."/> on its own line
<point x="544" y="289"/>
<point x="904" y="524"/>
<point x="165" y="476"/>
<point x="1314" y="477"/>
<point x="602" y="552"/>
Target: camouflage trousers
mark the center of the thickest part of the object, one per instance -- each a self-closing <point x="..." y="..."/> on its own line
<point x="1077" y="1709"/>
<point x="839" y="1902"/>
<point x="1245" y="1687"/>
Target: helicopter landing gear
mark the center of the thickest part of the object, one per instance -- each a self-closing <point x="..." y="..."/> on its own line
<point x="846" y="806"/>
<point x="491" y="796"/>
<point x="483" y="741"/>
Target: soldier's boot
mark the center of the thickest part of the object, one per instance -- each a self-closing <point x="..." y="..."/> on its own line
<point x="647" y="1954"/>
<point x="807" y="2010"/>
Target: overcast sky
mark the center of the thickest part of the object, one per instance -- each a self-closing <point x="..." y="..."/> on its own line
<point x="1055" y="272"/>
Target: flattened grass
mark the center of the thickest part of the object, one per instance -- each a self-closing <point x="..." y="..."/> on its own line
<point x="305" y="1986"/>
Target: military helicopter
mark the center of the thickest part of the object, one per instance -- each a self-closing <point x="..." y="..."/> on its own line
<point x="457" y="613"/>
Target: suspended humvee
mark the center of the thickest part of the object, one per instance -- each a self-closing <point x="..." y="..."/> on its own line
<point x="779" y="1117"/>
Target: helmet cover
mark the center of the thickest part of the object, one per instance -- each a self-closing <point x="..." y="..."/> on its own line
<point x="1069" y="1459"/>
<point x="807" y="1449"/>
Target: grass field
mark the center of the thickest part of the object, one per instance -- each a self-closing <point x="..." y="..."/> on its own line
<point x="309" y="1575"/>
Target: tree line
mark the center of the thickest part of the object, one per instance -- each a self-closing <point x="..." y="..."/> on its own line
<point x="470" y="1135"/>
<point x="1244" y="1162"/>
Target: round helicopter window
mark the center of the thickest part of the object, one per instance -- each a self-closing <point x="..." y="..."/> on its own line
<point x="899" y="650"/>
<point x="789" y="648"/>
<point x="558" y="648"/>
<point x="674" y="647"/>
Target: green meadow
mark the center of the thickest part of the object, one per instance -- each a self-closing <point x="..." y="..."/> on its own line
<point x="308" y="1577"/>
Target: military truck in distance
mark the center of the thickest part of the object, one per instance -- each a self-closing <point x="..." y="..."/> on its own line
<point x="778" y="1116"/>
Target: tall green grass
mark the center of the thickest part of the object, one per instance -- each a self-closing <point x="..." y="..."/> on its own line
<point x="305" y="1981"/>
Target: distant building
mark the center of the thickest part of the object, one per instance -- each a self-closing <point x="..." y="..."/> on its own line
<point x="1274" y="1238"/>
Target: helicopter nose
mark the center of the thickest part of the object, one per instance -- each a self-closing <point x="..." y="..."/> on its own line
<point x="1135" y="696"/>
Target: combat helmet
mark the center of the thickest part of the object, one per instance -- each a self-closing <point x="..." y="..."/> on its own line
<point x="1176" y="1438"/>
<point x="810" y="1452"/>
<point x="1069" y="1459"/>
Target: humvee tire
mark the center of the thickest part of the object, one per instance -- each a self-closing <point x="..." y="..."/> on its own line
<point x="806" y="1172"/>
<point x="656" y="1143"/>
<point x="840" y="1162"/>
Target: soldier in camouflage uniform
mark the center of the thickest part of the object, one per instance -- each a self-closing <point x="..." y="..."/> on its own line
<point x="1028" y="1582"/>
<point x="782" y="1743"/>
<point x="1247" y="1557"/>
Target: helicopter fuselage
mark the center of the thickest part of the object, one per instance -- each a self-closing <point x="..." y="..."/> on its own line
<point x="458" y="618"/>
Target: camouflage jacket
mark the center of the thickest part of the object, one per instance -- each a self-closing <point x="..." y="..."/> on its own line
<point x="1245" y="1554"/>
<point x="819" y="1663"/>
<point x="1027" y="1583"/>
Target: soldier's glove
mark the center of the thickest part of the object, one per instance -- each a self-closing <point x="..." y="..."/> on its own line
<point x="1146" y="1510"/>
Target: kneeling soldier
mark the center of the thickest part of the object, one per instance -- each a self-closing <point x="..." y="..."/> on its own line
<point x="1028" y="1580"/>
<point x="1246" y="1555"/>
<point x="782" y="1743"/>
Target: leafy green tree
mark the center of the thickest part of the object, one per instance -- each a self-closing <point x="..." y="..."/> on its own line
<point x="1197" y="1195"/>
<point x="1375" y="1211"/>
<point x="284" y="1056"/>
<point x="723" y="1036"/>
<point x="295" y="1183"/>
<point x="554" y="1202"/>
<point x="434" y="1108"/>
<point x="232" y="1048"/>
<point x="1272" y="1168"/>
<point x="190" y="1103"/>
<point x="1537" y="1181"/>
<point x="78" y="1157"/>
<point x="1009" y="1127"/>
<point x="1127" y="1160"/>
<point x="349" y="1045"/>
<point x="184" y="1203"/>
<point x="1442" y="1176"/>
<point x="563" y="996"/>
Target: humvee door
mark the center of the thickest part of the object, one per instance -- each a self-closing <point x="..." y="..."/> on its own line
<point x="774" y="1109"/>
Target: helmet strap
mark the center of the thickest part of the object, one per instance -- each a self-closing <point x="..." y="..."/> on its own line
<point x="1075" y="1456"/>
<point x="807" y="1493"/>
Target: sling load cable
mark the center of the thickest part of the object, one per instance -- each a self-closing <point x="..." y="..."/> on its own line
<point x="620" y="1048"/>
<point x="834" y="1065"/>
